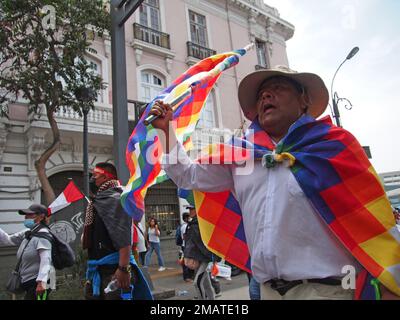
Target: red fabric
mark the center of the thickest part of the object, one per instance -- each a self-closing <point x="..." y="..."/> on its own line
<point x="105" y="172"/>
<point x="360" y="282"/>
<point x="135" y="235"/>
<point x="72" y="193"/>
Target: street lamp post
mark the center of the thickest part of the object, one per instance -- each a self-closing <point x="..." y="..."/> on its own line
<point x="120" y="10"/>
<point x="85" y="95"/>
<point x="335" y="96"/>
<point x="85" y="153"/>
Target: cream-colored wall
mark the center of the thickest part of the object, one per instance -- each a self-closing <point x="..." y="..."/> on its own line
<point x="174" y="21"/>
<point x="18" y="149"/>
<point x="279" y="55"/>
<point x="174" y="18"/>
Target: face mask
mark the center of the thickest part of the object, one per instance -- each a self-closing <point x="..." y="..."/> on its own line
<point x="29" y="223"/>
<point x="92" y="185"/>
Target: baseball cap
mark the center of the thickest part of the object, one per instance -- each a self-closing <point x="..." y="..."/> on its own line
<point x="34" y="209"/>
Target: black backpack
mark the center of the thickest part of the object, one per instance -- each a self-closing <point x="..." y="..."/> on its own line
<point x="62" y="254"/>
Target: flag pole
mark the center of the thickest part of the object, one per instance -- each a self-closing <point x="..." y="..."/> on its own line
<point x="188" y="92"/>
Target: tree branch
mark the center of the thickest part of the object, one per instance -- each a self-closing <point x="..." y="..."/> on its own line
<point x="40" y="164"/>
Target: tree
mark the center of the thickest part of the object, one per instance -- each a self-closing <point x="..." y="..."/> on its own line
<point x="42" y="60"/>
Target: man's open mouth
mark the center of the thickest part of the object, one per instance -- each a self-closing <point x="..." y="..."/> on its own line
<point x="268" y="107"/>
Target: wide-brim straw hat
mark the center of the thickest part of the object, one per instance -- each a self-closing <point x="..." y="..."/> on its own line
<point x="313" y="84"/>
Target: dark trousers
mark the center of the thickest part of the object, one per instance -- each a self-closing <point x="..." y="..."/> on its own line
<point x="106" y="274"/>
<point x="30" y="290"/>
<point x="187" y="273"/>
<point x="142" y="256"/>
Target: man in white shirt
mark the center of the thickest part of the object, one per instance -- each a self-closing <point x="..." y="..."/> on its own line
<point x="294" y="255"/>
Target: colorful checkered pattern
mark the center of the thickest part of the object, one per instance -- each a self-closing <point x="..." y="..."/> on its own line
<point x="335" y="174"/>
<point x="144" y="150"/>
<point x="221" y="227"/>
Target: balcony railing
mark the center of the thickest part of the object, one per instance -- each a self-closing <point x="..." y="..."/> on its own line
<point x="204" y="137"/>
<point x="199" y="52"/>
<point x="152" y="36"/>
<point x="101" y="115"/>
<point x="139" y="107"/>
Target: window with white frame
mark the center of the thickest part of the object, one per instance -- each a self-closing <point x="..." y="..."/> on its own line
<point x="207" y="115"/>
<point x="261" y="53"/>
<point x="149" y="12"/>
<point x="198" y="29"/>
<point x="95" y="67"/>
<point x="151" y="85"/>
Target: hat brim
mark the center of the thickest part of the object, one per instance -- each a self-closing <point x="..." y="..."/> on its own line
<point x="314" y="85"/>
<point x="26" y="211"/>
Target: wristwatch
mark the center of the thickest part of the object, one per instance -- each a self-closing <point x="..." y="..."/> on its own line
<point x="127" y="268"/>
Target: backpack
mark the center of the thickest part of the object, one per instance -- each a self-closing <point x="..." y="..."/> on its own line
<point x="62" y="254"/>
<point x="178" y="236"/>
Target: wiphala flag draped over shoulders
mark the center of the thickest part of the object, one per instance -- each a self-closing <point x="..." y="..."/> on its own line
<point x="144" y="151"/>
<point x="335" y="174"/>
<point x="329" y="164"/>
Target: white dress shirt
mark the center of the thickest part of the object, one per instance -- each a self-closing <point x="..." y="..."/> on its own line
<point x="141" y="246"/>
<point x="287" y="238"/>
<point x="183" y="230"/>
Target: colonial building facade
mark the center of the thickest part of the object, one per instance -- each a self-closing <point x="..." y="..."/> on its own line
<point x="163" y="39"/>
<point x="391" y="182"/>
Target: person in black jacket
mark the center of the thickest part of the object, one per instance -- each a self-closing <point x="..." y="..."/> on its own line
<point x="107" y="236"/>
<point x="197" y="257"/>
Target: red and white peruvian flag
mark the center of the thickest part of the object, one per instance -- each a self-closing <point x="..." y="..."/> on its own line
<point x="69" y="195"/>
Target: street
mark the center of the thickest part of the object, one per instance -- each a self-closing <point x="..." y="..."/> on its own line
<point x="171" y="279"/>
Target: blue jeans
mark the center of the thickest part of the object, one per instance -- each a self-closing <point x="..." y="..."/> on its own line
<point x="154" y="246"/>
<point x="254" y="289"/>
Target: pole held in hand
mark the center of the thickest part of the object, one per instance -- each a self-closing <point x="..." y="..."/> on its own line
<point x="174" y="103"/>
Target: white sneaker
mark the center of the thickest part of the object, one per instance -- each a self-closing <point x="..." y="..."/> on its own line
<point x="161" y="269"/>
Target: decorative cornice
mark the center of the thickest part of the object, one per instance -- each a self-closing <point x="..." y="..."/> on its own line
<point x="257" y="5"/>
<point x="191" y="61"/>
<point x="140" y="46"/>
<point x="77" y="148"/>
<point x="258" y="9"/>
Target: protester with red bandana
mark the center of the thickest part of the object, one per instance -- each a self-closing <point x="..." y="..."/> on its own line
<point x="107" y="236"/>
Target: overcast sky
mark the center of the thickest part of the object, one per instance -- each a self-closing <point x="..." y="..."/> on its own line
<point x="325" y="33"/>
